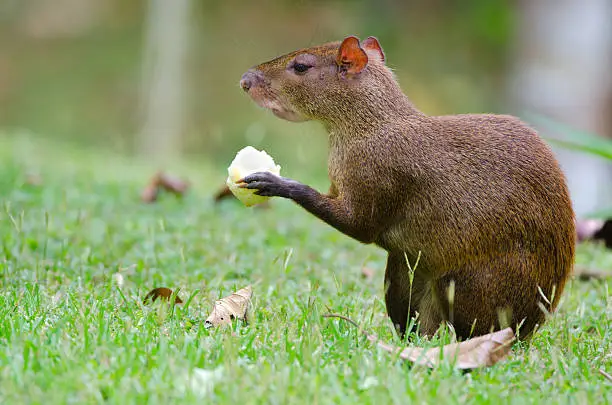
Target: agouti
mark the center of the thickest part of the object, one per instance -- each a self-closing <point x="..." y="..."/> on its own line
<point x="481" y="197"/>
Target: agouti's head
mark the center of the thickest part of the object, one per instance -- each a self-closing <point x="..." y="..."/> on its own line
<point x="324" y="82"/>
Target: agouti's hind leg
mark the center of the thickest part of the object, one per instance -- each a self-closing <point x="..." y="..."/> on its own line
<point x="491" y="296"/>
<point x="403" y="303"/>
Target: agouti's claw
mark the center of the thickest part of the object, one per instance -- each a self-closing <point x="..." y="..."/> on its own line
<point x="255" y="185"/>
<point x="267" y="184"/>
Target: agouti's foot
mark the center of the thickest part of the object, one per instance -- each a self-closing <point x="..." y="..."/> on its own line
<point x="270" y="185"/>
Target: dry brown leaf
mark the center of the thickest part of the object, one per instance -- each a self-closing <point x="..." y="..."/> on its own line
<point x="161" y="292"/>
<point x="149" y="194"/>
<point x="229" y="308"/>
<point x="173" y="184"/>
<point x="367" y="273"/>
<point x="162" y="181"/>
<point x="481" y="351"/>
<point x="151" y="191"/>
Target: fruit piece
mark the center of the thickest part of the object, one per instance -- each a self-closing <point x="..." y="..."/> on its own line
<point x="248" y="161"/>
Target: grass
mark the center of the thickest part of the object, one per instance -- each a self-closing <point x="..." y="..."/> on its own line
<point x="71" y="333"/>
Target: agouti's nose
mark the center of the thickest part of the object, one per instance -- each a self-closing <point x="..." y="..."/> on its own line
<point x="245" y="83"/>
<point x="250" y="79"/>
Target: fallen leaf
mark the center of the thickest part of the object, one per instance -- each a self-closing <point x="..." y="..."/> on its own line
<point x="162" y="181"/>
<point x="173" y="184"/>
<point x="367" y="273"/>
<point x="481" y="351"/>
<point x="151" y="191"/>
<point x="161" y="292"/>
<point x="229" y="308"/>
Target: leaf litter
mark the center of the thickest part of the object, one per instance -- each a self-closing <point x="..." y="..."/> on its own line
<point x="481" y="351"/>
<point x="478" y="352"/>
<point x="234" y="306"/>
<point x="162" y="181"/>
<point x="161" y="292"/>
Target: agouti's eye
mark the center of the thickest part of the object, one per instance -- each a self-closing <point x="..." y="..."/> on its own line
<point x="300" y="67"/>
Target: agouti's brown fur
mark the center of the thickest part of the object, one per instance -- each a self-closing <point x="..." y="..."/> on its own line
<point x="480" y="196"/>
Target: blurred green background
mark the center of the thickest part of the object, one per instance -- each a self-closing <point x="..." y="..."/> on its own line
<point x="79" y="71"/>
<point x="72" y="69"/>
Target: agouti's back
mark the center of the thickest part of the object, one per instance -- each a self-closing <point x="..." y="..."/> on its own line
<point x="486" y="204"/>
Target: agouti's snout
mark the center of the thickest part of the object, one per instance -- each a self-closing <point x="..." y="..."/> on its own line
<point x="250" y="79"/>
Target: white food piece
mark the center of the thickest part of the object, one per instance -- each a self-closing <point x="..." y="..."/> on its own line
<point x="248" y="161"/>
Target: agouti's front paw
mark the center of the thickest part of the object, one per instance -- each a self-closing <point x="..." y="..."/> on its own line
<point x="269" y="185"/>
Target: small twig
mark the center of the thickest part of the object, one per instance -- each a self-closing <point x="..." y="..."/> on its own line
<point x="606" y="375"/>
<point x="344" y="318"/>
<point x="372" y="338"/>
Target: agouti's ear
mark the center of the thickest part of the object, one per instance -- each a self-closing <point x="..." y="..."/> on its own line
<point x="351" y="58"/>
<point x="372" y="44"/>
